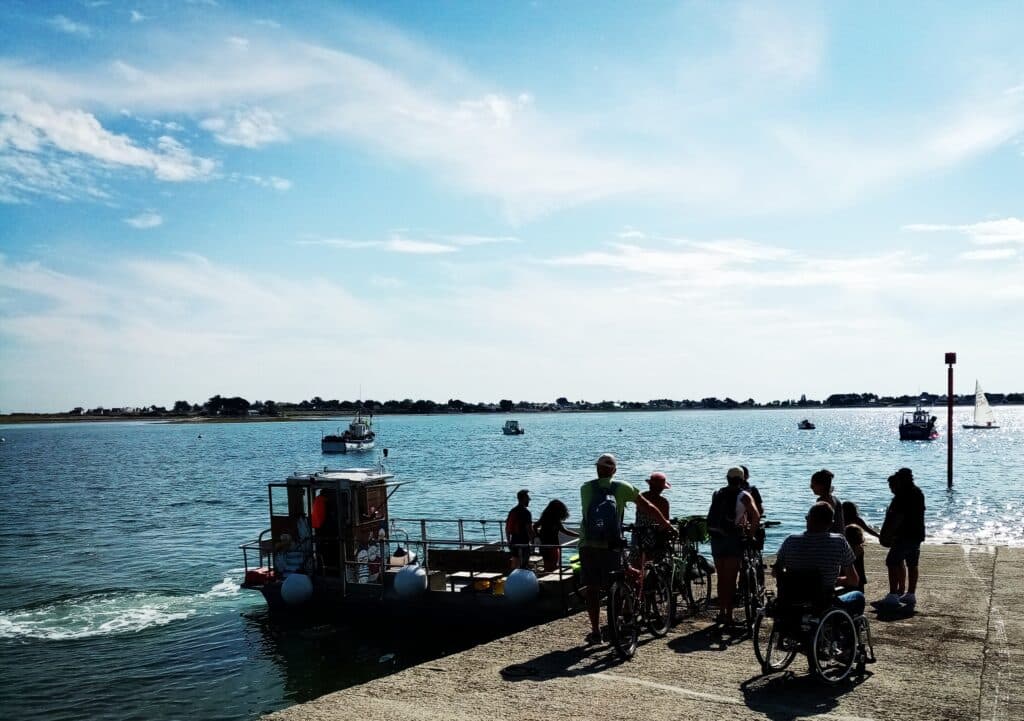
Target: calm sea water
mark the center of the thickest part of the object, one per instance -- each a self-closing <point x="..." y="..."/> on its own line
<point x="119" y="541"/>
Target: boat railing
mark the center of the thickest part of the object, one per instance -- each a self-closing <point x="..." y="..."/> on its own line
<point x="261" y="546"/>
<point x="470" y="535"/>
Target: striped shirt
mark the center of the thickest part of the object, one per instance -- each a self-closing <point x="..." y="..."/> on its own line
<point x="826" y="553"/>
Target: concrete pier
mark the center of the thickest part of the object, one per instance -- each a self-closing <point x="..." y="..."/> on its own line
<point x="959" y="656"/>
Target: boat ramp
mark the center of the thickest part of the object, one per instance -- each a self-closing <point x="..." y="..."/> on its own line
<point x="959" y="657"/>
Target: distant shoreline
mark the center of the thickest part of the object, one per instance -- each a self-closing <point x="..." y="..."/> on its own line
<point x="30" y="418"/>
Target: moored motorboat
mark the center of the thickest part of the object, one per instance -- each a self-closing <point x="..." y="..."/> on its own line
<point x="358" y="437"/>
<point x="918" y="425"/>
<point x="805" y="425"/>
<point x="512" y="428"/>
<point x="984" y="418"/>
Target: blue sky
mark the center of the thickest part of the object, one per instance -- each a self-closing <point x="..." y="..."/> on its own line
<point x="508" y="200"/>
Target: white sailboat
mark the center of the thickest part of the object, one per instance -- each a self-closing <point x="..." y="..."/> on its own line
<point x="984" y="418"/>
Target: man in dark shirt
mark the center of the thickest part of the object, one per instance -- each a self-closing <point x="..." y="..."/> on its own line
<point x="519" y="530"/>
<point x="821" y="485"/>
<point x="904" y="530"/>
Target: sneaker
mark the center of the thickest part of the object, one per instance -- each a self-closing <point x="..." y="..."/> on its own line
<point x="908" y="599"/>
<point x="890" y="601"/>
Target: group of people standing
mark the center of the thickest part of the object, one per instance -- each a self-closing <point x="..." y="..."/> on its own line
<point x="832" y="545"/>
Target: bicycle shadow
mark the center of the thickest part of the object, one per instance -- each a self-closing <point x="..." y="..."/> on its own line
<point x="568" y="663"/>
<point x="786" y="696"/>
<point x="709" y="638"/>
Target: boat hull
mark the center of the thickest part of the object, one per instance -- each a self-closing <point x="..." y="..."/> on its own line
<point x="911" y="432"/>
<point x="345" y="446"/>
<point x="979" y="428"/>
<point x="458" y="609"/>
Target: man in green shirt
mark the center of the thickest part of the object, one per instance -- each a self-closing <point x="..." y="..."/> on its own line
<point x="601" y="556"/>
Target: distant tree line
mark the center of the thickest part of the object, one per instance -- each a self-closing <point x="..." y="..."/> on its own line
<point x="237" y="407"/>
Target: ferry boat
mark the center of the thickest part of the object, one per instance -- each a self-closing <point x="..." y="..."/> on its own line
<point x="918" y="425"/>
<point x="512" y="428"/>
<point x="332" y="545"/>
<point x="358" y="437"/>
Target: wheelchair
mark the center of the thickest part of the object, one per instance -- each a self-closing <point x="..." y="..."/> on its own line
<point x="803" y="618"/>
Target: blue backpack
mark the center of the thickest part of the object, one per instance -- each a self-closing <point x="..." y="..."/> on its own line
<point x="602" y="526"/>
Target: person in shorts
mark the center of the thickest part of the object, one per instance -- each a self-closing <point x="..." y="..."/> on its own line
<point x="903" y="532"/>
<point x="600" y="558"/>
<point x="519" y="530"/>
<point x="732" y="514"/>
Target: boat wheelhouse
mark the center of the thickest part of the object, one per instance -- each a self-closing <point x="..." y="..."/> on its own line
<point x="512" y="428"/>
<point x="918" y="425"/>
<point x="358" y="437"/>
<point x="332" y="531"/>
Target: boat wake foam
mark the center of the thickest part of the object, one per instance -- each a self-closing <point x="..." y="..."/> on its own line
<point x="107" y="613"/>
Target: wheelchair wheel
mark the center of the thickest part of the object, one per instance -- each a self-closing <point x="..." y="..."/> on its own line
<point x="623" y="624"/>
<point x="834" y="648"/>
<point x="773" y="651"/>
<point x="698" y="586"/>
<point x="656" y="602"/>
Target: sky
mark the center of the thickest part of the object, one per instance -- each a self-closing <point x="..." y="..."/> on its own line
<point x="524" y="200"/>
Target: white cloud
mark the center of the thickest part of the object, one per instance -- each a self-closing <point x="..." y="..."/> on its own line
<point x="76" y="138"/>
<point x="271" y="181"/>
<point x="375" y="87"/>
<point x="986" y="232"/>
<point x="471" y="240"/>
<point x="137" y="17"/>
<point x="395" y="244"/>
<point x="144" y="221"/>
<point x="990" y="254"/>
<point x="248" y="127"/>
<point x="70" y="27"/>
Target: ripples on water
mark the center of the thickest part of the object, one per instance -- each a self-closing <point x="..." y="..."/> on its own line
<point x="119" y="541"/>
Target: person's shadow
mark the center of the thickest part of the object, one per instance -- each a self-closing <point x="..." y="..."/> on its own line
<point x="709" y="638"/>
<point x="786" y="696"/>
<point x="567" y="663"/>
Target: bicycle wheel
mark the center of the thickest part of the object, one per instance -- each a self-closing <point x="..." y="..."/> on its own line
<point x="623" y="624"/>
<point x="657" y="599"/>
<point x="698" y="585"/>
<point x="751" y="603"/>
<point x="834" y="649"/>
<point x="773" y="651"/>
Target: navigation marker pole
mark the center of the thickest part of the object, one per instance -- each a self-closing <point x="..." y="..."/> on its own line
<point x="950" y="362"/>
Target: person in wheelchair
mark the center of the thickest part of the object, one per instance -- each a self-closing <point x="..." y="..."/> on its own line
<point x="809" y="616"/>
<point x="827" y="554"/>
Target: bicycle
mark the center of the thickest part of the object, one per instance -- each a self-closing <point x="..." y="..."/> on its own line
<point x="638" y="596"/>
<point x="751" y="588"/>
<point x="690" y="579"/>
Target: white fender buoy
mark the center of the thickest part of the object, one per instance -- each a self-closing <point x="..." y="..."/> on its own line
<point x="521" y="586"/>
<point x="410" y="581"/>
<point x="296" y="589"/>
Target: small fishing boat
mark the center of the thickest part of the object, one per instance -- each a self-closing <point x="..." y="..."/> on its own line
<point x="512" y="428"/>
<point x="333" y="546"/>
<point x="358" y="437"/>
<point x="805" y="425"/>
<point x="984" y="418"/>
<point x="918" y="425"/>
